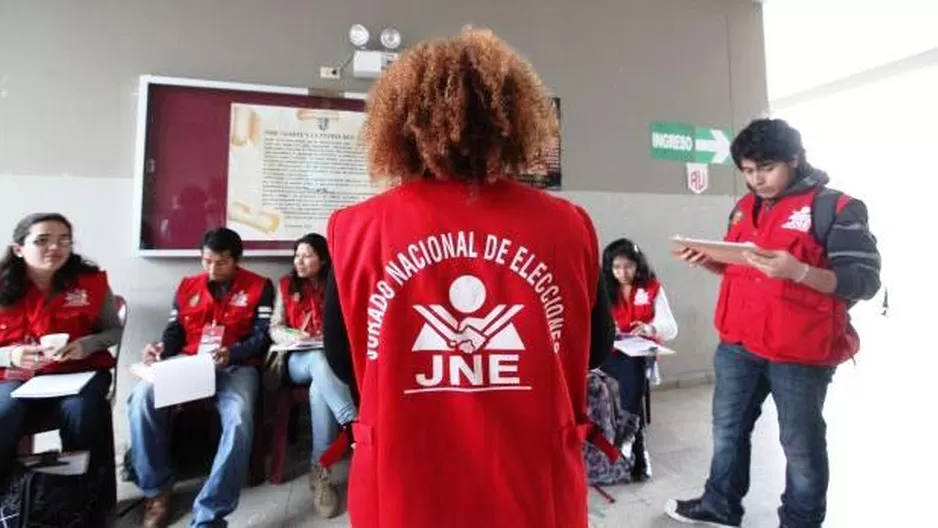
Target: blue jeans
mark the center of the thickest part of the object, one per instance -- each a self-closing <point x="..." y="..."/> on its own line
<point x="235" y="393"/>
<point x="83" y="418"/>
<point x="743" y="381"/>
<point x="330" y="401"/>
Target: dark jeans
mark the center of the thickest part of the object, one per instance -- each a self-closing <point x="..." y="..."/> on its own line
<point x="630" y="373"/>
<point x="743" y="381"/>
<point x="84" y="419"/>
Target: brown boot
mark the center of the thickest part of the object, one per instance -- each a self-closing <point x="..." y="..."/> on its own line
<point x="156" y="510"/>
<point x="325" y="496"/>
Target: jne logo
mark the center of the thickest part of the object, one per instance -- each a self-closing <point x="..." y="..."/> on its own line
<point x="77" y="298"/>
<point x="800" y="220"/>
<point x="240" y="299"/>
<point x="475" y="352"/>
<point x="642" y="298"/>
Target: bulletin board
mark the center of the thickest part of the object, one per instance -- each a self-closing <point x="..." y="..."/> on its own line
<point x="202" y="144"/>
<point x="184" y="152"/>
<point x="548" y="174"/>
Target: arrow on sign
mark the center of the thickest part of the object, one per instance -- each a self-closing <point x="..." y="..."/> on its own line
<point x="712" y="145"/>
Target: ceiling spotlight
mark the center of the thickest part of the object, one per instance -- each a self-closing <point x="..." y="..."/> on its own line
<point x="390" y="38"/>
<point x="358" y="35"/>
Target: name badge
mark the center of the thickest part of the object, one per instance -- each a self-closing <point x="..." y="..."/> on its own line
<point x="211" y="339"/>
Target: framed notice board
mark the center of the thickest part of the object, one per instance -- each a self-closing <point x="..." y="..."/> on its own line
<point x="212" y="154"/>
<point x="548" y="175"/>
<point x="270" y="162"/>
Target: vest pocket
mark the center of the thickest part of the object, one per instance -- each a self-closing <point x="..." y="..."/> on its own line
<point x="734" y="314"/>
<point x="75" y="323"/>
<point x="802" y="326"/>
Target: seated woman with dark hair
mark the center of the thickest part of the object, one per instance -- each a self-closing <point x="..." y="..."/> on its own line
<point x="45" y="289"/>
<point x="639" y="307"/>
<point x="298" y="317"/>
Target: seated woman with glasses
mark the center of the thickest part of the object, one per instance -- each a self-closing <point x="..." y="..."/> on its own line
<point x="57" y="315"/>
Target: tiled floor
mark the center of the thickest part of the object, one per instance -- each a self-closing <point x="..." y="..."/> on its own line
<point x="879" y="440"/>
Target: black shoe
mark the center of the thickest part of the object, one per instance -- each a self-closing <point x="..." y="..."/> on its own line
<point x="641" y="471"/>
<point x="693" y="512"/>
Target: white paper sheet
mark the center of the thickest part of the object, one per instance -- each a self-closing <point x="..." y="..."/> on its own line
<point x="640" y="347"/>
<point x="179" y="379"/>
<point x="75" y="463"/>
<point x="310" y="344"/>
<point x="53" y="385"/>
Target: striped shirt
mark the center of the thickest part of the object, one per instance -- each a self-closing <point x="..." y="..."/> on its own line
<point x="851" y="246"/>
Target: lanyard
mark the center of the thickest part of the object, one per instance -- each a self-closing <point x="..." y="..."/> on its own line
<point x="312" y="310"/>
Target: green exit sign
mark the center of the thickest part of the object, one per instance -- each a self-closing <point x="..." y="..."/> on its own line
<point x="689" y="143"/>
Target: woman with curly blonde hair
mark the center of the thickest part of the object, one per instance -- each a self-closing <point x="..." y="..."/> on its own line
<point x="465" y="306"/>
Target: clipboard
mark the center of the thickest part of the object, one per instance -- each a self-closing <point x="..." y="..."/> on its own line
<point x="635" y="346"/>
<point x="179" y="379"/>
<point x="719" y="251"/>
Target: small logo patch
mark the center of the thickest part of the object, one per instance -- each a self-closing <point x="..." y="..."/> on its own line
<point x="800" y="220"/>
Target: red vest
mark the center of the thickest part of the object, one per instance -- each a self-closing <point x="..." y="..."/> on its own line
<point x="468" y="322"/>
<point x="197" y="307"/>
<point x="777" y="319"/>
<point x="639" y="307"/>
<point x="74" y="312"/>
<point x="302" y="312"/>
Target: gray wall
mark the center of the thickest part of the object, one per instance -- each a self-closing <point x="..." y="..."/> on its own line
<point x="68" y="73"/>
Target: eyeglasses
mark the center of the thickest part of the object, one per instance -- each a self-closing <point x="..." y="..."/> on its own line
<point x="45" y="242"/>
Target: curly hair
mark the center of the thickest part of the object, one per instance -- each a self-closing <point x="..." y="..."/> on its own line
<point x="467" y="108"/>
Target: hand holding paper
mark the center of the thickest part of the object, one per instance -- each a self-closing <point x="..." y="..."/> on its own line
<point x="152" y="353"/>
<point x="776" y="264"/>
<point x="691" y="256"/>
<point x="222" y="357"/>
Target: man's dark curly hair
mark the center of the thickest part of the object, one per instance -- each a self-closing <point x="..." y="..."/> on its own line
<point x="467" y="108"/>
<point x="769" y="140"/>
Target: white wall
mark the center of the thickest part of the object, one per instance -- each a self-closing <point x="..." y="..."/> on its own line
<point x="812" y="42"/>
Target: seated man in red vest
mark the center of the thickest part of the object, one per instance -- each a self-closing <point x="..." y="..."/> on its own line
<point x="783" y="323"/>
<point x="226" y="309"/>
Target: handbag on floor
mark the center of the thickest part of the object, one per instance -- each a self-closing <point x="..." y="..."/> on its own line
<point x="32" y="498"/>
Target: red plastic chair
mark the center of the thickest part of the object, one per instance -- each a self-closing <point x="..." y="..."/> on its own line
<point x="287" y="398"/>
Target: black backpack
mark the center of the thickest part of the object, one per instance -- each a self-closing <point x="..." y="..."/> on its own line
<point x="32" y="499"/>
<point x="827" y="203"/>
<point x="617" y="425"/>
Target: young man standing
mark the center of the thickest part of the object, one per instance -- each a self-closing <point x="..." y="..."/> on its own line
<point x="226" y="312"/>
<point x="783" y="323"/>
